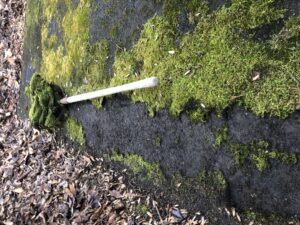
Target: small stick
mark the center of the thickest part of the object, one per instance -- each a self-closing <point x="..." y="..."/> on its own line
<point x="146" y="83"/>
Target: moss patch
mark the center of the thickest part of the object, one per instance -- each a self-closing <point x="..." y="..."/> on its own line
<point x="75" y="131"/>
<point x="209" y="183"/>
<point x="143" y="170"/>
<point x="221" y="136"/>
<point x="77" y="66"/>
<point x="260" y="154"/>
<point x="216" y="64"/>
<point x="44" y="112"/>
<point x="259" y="218"/>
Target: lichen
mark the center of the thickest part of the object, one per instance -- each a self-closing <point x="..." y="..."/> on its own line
<point x="221" y="136"/>
<point x="260" y="154"/>
<point x="144" y="171"/>
<point x="75" y="131"/>
<point x="44" y="112"/>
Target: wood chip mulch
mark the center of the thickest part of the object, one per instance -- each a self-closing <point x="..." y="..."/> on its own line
<point x="45" y="182"/>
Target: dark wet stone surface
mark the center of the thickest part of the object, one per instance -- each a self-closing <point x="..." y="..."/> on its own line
<point x="188" y="148"/>
<point x="185" y="147"/>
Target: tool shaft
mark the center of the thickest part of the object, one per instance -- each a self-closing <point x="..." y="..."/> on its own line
<point x="146" y="83"/>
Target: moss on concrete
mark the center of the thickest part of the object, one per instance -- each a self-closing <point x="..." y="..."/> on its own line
<point x="215" y="65"/>
<point x="144" y="171"/>
<point x="75" y="130"/>
<point x="221" y="136"/>
<point x="77" y="66"/>
<point x="260" y="154"/>
<point x="44" y="112"/>
<point x="32" y="14"/>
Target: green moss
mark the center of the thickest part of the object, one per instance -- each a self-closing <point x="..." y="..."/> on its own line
<point x="143" y="170"/>
<point x="114" y="31"/>
<point x="259" y="218"/>
<point x="157" y="142"/>
<point x="77" y="66"/>
<point x="211" y="65"/>
<point x="214" y="63"/>
<point x="44" y="112"/>
<point x="75" y="131"/>
<point x="32" y="14"/>
<point x="221" y="136"/>
<point x="260" y="154"/>
<point x="213" y="179"/>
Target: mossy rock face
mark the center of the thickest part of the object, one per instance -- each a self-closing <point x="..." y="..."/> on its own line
<point x="234" y="65"/>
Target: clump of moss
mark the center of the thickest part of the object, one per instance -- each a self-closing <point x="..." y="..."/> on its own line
<point x="45" y="111"/>
<point x="221" y="136"/>
<point x="143" y="170"/>
<point x="260" y="154"/>
<point x="75" y="131"/>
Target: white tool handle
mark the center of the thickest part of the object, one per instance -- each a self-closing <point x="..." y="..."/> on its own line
<point x="146" y="83"/>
